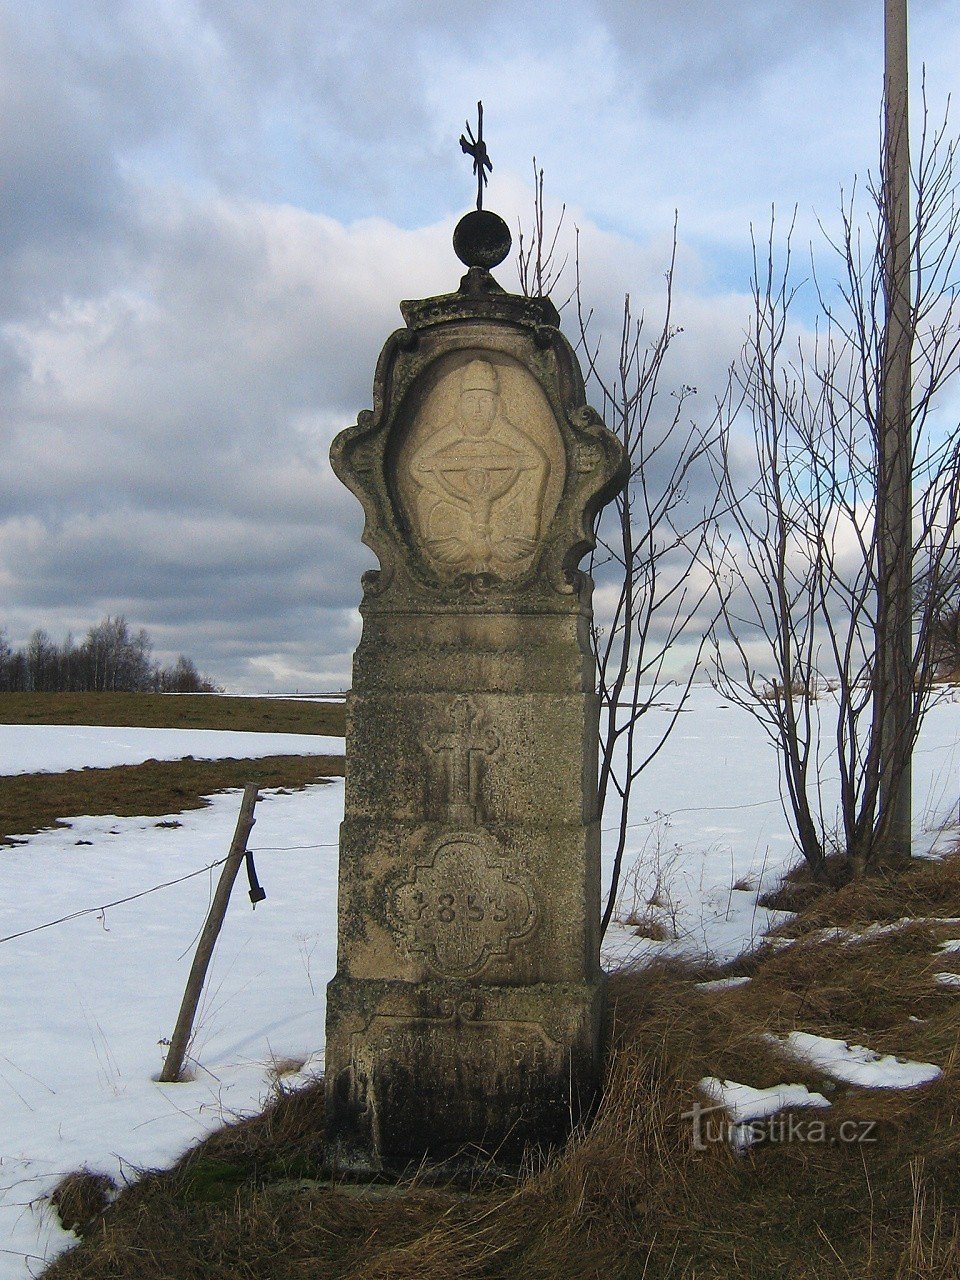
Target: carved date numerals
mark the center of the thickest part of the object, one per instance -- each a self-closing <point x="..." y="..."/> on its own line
<point x="448" y="907"/>
<point x="463" y="904"/>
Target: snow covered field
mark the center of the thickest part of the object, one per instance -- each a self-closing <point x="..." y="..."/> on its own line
<point x="54" y="748"/>
<point x="86" y="1002"/>
<point x="707" y="818"/>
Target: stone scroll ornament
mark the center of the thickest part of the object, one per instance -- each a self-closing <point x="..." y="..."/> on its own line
<point x="463" y="1021"/>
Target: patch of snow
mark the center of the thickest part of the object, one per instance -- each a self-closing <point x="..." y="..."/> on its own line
<point x="309" y="1073"/>
<point x="742" y="1102"/>
<point x="55" y="748"/>
<point x="778" y="943"/>
<point x="745" y="1106"/>
<point x="947" y="979"/>
<point x="722" y="984"/>
<point x="856" y="1064"/>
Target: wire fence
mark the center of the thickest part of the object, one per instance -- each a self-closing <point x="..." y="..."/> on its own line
<point x="332" y="844"/>
<point x="290" y="848"/>
<point x="164" y="884"/>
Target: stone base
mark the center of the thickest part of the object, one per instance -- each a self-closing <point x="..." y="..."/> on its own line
<point x="455" y="1073"/>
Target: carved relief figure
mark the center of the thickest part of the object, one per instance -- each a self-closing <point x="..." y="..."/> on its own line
<point x="480" y="482"/>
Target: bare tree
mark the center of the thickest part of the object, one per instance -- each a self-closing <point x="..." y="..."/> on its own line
<point x="41" y="656"/>
<point x="6" y="660"/>
<point x="110" y="658"/>
<point x="539" y="264"/>
<point x="183" y="677"/>
<point x="803" y="557"/>
<point x="651" y="538"/>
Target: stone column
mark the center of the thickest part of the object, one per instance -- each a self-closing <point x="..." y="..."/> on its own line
<point x="464" y="1015"/>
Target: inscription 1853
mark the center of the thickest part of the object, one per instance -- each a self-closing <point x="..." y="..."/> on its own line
<point x="463" y="905"/>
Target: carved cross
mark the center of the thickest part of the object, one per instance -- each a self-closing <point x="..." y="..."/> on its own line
<point x="464" y="742"/>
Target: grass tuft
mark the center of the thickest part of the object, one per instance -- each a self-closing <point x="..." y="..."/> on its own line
<point x="81" y="1198"/>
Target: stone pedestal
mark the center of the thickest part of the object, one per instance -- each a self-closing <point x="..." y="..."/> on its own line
<point x="463" y="1020"/>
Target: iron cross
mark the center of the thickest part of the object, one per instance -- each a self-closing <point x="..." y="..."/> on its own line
<point x="477" y="148"/>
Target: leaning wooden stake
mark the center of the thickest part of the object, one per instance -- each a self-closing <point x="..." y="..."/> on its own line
<point x="218" y="909"/>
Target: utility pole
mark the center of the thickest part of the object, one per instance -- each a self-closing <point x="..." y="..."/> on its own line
<point x="893" y="695"/>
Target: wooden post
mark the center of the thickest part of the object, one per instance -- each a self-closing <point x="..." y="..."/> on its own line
<point x="208" y="938"/>
<point x="894" y="638"/>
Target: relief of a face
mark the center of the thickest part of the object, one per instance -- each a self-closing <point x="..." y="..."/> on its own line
<point x="478" y="409"/>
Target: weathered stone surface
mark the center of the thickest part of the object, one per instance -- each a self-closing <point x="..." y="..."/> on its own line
<point x="464" y="1015"/>
<point x="478" y="489"/>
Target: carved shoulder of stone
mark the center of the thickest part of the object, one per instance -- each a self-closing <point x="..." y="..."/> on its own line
<point x="357" y="459"/>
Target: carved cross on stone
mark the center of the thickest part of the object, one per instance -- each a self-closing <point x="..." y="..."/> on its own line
<point x="462" y="744"/>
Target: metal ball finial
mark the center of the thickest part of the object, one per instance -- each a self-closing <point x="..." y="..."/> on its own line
<point x="481" y="239"/>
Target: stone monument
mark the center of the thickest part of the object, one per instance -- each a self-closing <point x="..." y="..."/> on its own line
<point x="463" y="1019"/>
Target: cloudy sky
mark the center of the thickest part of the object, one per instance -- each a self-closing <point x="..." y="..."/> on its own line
<point x="209" y="210"/>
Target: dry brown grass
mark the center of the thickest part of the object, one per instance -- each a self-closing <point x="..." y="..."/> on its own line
<point x="174" y="711"/>
<point x="773" y="692"/>
<point x="648" y="926"/>
<point x="629" y="1197"/>
<point x="928" y="887"/>
<point x="81" y="1198"/>
<point x="34" y="801"/>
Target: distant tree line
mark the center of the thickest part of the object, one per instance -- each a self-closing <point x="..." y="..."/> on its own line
<point x="109" y="657"/>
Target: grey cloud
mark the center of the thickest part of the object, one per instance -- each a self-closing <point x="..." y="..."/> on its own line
<point x="690" y="49"/>
<point x="180" y="340"/>
<point x="166" y="457"/>
<point x="61" y="193"/>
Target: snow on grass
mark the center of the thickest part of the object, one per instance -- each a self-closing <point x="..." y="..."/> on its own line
<point x="947" y="979"/>
<point x="744" y="1105"/>
<point x="850" y="937"/>
<point x="710" y="837"/>
<point x="722" y="984"/>
<point x="856" y="1064"/>
<point x="54" y="748"/>
<point x="87" y="1002"/>
<point x="742" y="1102"/>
